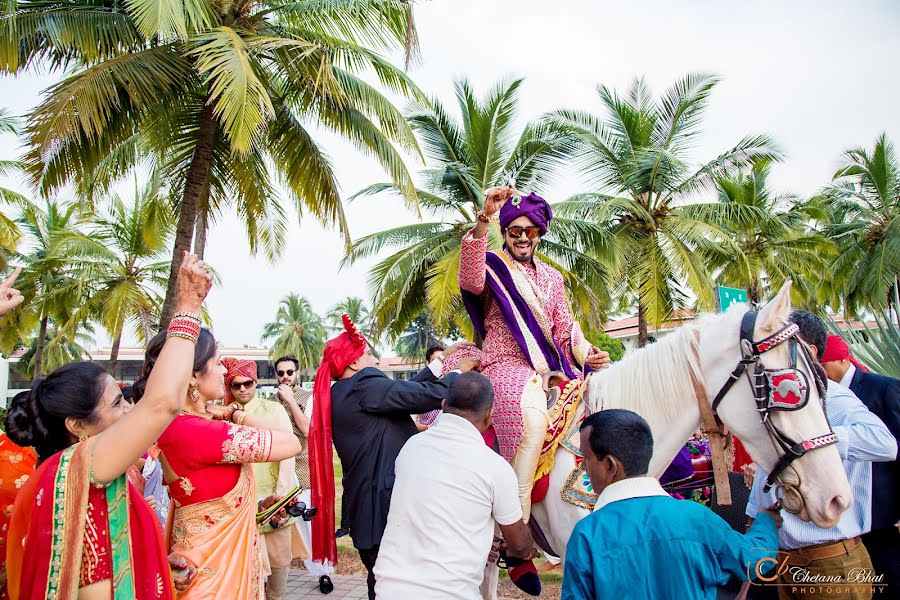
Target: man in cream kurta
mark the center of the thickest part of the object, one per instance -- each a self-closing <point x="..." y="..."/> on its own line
<point x="280" y="545"/>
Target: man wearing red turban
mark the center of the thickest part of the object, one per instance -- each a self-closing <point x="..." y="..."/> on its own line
<point x="367" y="417"/>
<point x="280" y="540"/>
<point x="881" y="395"/>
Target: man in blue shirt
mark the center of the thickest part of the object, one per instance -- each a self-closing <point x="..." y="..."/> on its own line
<point x="641" y="543"/>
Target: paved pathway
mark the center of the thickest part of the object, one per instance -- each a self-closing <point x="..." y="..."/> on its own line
<point x="303" y="586"/>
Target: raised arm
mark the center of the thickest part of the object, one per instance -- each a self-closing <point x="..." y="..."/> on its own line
<point x="122" y="443"/>
<point x="474" y="244"/>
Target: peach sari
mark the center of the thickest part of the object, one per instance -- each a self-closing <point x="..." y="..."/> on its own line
<point x="215" y="536"/>
<point x="213" y="519"/>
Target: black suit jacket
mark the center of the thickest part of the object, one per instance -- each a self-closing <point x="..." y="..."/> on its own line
<point x="881" y="395"/>
<point x="370" y="420"/>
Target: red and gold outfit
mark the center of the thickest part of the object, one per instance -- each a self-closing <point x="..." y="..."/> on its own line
<point x="214" y="504"/>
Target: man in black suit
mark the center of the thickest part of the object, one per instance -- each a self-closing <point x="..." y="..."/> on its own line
<point x="368" y="417"/>
<point x="881" y="395"/>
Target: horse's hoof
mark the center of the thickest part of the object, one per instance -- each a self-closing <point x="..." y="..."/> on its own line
<point x="325" y="585"/>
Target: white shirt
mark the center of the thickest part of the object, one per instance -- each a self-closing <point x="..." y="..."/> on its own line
<point x="848" y="376"/>
<point x="630" y="487"/>
<point x="450" y="488"/>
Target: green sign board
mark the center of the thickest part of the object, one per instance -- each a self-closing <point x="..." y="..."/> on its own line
<point x="726" y="297"/>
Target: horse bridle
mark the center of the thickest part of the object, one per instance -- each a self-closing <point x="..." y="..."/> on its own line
<point x="778" y="389"/>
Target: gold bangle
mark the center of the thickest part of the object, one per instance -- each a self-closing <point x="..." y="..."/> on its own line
<point x="241" y="417"/>
<point x="182" y="335"/>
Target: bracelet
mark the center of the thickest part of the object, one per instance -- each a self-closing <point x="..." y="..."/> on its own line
<point x="187" y="315"/>
<point x="184" y="327"/>
<point x="482" y="217"/>
<point x="185" y="336"/>
<point x="241" y="417"/>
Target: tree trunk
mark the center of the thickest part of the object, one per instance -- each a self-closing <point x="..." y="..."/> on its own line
<point x="642" y="325"/>
<point x="200" y="232"/>
<point x="39" y="347"/>
<point x="146" y="326"/>
<point x="753" y="292"/>
<point x="196" y="180"/>
<point x="114" y="358"/>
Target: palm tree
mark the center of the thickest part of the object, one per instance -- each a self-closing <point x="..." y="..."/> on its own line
<point x="636" y="156"/>
<point x="464" y="158"/>
<point x="775" y="246"/>
<point x="297" y="330"/>
<point x="354" y="307"/>
<point x="416" y="339"/>
<point x="49" y="283"/>
<point x="358" y="311"/>
<point x="59" y="347"/>
<point x="9" y="231"/>
<point x="865" y="224"/>
<point x="219" y="95"/>
<point x="127" y="265"/>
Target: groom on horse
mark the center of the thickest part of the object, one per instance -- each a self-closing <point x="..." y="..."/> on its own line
<point x="522" y="317"/>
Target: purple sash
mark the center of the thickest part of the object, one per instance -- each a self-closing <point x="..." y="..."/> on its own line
<point x="538" y="346"/>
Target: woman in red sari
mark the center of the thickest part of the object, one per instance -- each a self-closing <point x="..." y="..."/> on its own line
<point x="78" y="528"/>
<point x="206" y="454"/>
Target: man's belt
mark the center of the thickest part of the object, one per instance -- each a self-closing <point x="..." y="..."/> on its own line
<point x="806" y="554"/>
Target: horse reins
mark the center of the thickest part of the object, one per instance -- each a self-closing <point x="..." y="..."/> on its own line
<point x="773" y="390"/>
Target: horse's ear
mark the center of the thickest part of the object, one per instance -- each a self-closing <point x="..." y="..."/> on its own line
<point x="776" y="312"/>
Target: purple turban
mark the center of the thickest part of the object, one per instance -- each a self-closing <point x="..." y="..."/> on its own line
<point x="532" y="206"/>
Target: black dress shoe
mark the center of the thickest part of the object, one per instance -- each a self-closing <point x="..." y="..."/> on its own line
<point x="325" y="585"/>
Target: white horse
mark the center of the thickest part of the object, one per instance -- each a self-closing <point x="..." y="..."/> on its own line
<point x="655" y="382"/>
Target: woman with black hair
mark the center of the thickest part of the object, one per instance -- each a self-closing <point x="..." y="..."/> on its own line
<point x="205" y="454"/>
<point x="78" y="526"/>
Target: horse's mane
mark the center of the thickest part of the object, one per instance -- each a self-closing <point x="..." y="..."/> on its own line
<point x="654" y="380"/>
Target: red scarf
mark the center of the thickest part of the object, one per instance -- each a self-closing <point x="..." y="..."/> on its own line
<point x="339" y="354"/>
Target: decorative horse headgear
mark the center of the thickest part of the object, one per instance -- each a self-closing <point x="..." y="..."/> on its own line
<point x="778" y="389"/>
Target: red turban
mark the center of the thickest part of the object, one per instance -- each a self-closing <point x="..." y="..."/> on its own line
<point x="237" y="368"/>
<point x="339" y="354"/>
<point x="837" y="349"/>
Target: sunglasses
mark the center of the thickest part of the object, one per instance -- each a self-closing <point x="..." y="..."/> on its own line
<point x="289" y="372"/>
<point x="244" y="384"/>
<point x="516" y="232"/>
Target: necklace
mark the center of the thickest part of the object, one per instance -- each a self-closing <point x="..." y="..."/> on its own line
<point x="193" y="413"/>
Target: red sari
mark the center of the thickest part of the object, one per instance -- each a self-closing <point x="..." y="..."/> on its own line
<point x="66" y="533"/>
<point x="214" y="504"/>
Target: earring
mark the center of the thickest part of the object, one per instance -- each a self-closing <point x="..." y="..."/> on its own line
<point x="82" y="437"/>
<point x="195" y="392"/>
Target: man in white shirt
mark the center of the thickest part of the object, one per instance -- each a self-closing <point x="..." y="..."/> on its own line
<point x="450" y="489"/>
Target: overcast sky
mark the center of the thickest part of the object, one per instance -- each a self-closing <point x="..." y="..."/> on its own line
<point x="818" y="75"/>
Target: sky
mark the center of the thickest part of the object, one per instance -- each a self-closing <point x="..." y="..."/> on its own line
<point x="818" y="75"/>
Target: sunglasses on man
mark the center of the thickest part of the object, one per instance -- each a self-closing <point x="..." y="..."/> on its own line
<point x="516" y="232"/>
<point x="289" y="372"/>
<point x="235" y="386"/>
